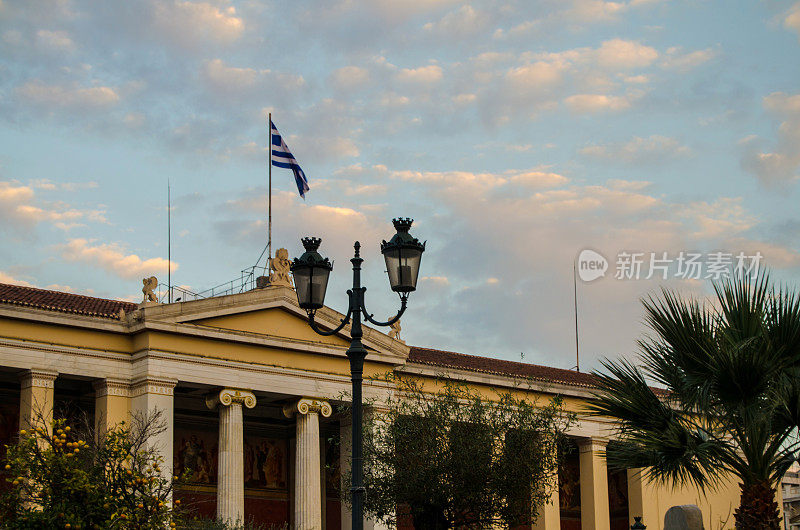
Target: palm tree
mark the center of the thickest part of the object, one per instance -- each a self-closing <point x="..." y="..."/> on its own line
<point x="730" y="402"/>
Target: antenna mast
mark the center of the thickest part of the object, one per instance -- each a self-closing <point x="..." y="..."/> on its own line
<point x="169" y="244"/>
<point x="575" y="299"/>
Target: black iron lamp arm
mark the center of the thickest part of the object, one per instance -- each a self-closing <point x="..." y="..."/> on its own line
<point x="368" y="316"/>
<point x="345" y="320"/>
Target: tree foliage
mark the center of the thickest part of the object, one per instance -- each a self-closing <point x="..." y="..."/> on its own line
<point x="731" y="376"/>
<point x="449" y="457"/>
<point x="68" y="476"/>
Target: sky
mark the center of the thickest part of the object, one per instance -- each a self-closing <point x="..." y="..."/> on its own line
<point x="518" y="134"/>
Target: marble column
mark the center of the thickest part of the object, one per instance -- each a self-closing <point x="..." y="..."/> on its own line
<point x="230" y="468"/>
<point x="151" y="395"/>
<point x="112" y="403"/>
<point x="36" y="398"/>
<point x="308" y="486"/>
<point x="594" y="485"/>
<point x="550" y="512"/>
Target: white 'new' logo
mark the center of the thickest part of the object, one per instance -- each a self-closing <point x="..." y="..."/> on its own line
<point x="591" y="265"/>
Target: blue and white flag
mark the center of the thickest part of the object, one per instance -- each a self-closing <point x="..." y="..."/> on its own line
<point x="282" y="157"/>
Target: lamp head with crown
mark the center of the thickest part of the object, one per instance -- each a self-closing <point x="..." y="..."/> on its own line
<point x="403" y="254"/>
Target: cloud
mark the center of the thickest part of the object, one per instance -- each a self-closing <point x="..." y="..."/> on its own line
<point x="636" y="79"/>
<point x="68" y="96"/>
<point x="194" y="24"/>
<point x="7" y="278"/>
<point x="241" y="222"/>
<point x="350" y="77"/>
<point x="724" y="217"/>
<point x="424" y="75"/>
<point x="614" y="55"/>
<point x="366" y="189"/>
<point x="775" y="256"/>
<point x="683" y="62"/>
<point x="780" y="165"/>
<point x="20" y="211"/>
<point x="113" y="259"/>
<point x="400" y="11"/>
<point x="527" y="239"/>
<point x="435" y="280"/>
<point x="619" y="54"/>
<point x="59" y="41"/>
<point x="791" y="20"/>
<point x="654" y="149"/>
<point x="574" y="15"/>
<point x="532" y="179"/>
<point x="14" y="193"/>
<point x="782" y="103"/>
<point x="49" y="185"/>
<point x="462" y="23"/>
<point x="592" y="103"/>
<point x="594" y="10"/>
<point x="232" y="81"/>
<point x="541" y="74"/>
<point x="586" y="77"/>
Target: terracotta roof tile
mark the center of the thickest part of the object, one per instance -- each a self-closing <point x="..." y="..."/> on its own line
<point x="448" y="359"/>
<point x="101" y="307"/>
<point x="62" y="302"/>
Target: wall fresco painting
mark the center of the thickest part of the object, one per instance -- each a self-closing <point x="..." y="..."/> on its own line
<point x="266" y="460"/>
<point x="265" y="463"/>
<point x="569" y="492"/>
<point x="196" y="456"/>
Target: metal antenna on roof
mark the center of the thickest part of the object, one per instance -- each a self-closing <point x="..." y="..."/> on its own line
<point x="575" y="299"/>
<point x="169" y="244"/>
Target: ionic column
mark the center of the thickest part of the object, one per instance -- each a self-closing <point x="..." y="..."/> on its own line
<point x="36" y="398"/>
<point x="308" y="488"/>
<point x="230" y="468"/>
<point x="112" y="403"/>
<point x="594" y="485"/>
<point x="152" y="395"/>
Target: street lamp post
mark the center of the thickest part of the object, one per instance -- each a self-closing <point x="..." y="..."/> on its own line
<point x="402" y="255"/>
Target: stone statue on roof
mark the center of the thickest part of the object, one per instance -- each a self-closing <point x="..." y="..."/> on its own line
<point x="394" y="331"/>
<point x="280" y="269"/>
<point x="149" y="285"/>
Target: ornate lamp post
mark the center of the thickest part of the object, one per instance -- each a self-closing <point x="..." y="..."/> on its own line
<point x="402" y="254"/>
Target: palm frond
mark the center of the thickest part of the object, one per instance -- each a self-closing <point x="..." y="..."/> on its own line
<point x="731" y="371"/>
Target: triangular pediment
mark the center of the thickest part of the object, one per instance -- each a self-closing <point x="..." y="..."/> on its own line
<point x="272" y="312"/>
<point x="277" y="322"/>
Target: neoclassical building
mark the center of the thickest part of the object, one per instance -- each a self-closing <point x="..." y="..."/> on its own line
<point x="248" y="391"/>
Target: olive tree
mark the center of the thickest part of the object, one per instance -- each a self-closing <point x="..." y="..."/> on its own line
<point x="449" y="456"/>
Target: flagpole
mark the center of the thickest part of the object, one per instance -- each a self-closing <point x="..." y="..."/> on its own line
<point x="269" y="207"/>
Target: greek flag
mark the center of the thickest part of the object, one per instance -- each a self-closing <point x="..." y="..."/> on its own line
<point x="282" y="157"/>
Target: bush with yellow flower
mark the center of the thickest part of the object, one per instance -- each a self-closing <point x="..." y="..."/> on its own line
<point x="67" y="476"/>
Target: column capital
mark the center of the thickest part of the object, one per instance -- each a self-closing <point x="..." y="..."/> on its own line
<point x="153" y="385"/>
<point x="308" y="406"/>
<point x="111" y="386"/>
<point x="38" y="378"/>
<point x="593" y="444"/>
<point x="228" y="396"/>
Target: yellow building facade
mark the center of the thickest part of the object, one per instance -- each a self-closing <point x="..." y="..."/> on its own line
<point x="248" y="392"/>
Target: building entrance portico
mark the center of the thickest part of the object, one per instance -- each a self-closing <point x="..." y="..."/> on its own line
<point x="239" y="457"/>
